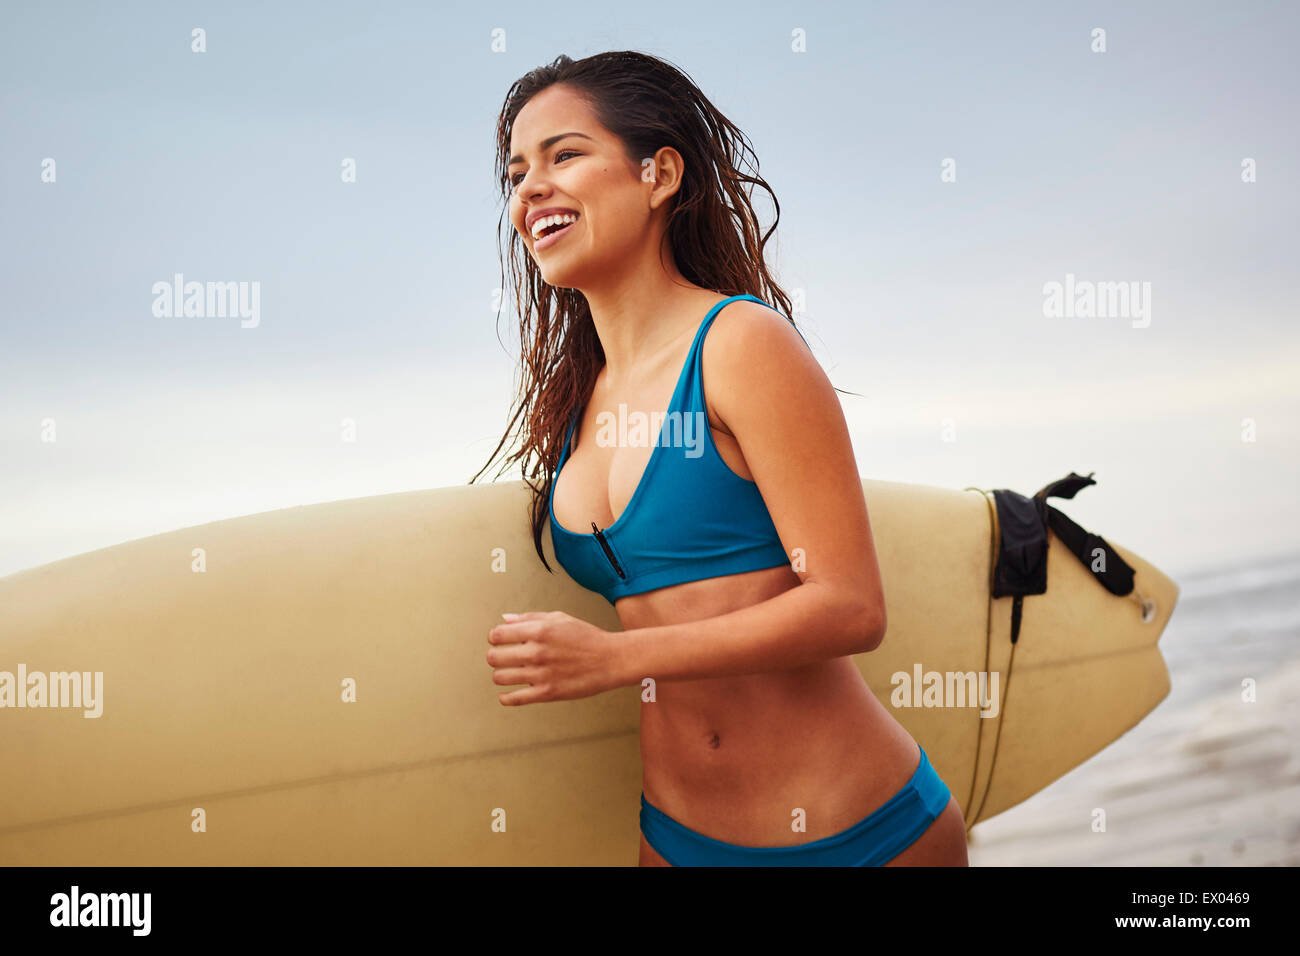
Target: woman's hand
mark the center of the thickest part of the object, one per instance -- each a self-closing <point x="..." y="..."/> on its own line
<point x="561" y="657"/>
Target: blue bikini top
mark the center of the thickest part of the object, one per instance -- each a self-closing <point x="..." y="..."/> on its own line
<point x="690" y="517"/>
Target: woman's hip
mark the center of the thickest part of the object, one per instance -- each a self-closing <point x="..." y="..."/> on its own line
<point x="872" y="841"/>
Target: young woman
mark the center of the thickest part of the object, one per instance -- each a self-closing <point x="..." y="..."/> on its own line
<point x="731" y="535"/>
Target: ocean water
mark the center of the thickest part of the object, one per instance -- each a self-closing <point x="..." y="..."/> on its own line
<point x="1206" y="779"/>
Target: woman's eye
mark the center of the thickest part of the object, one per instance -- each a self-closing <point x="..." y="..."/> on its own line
<point x="514" y="180"/>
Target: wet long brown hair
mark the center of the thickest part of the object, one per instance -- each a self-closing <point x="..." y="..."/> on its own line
<point x="712" y="231"/>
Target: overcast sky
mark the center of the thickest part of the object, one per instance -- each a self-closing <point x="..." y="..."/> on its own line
<point x="924" y="292"/>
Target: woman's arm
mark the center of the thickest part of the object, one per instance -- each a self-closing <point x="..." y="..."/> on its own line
<point x="774" y="398"/>
<point x="798" y="626"/>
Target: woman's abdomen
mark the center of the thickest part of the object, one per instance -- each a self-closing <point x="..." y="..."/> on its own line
<point x="733" y="758"/>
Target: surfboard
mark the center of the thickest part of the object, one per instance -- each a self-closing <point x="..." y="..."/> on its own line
<point x="308" y="686"/>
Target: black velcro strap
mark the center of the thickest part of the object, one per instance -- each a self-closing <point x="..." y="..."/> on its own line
<point x="1107" y="567"/>
<point x="1021" y="566"/>
<point x="1023" y="523"/>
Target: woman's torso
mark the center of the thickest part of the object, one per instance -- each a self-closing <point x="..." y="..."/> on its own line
<point x="732" y="757"/>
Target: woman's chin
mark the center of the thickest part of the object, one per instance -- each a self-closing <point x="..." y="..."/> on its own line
<point x="561" y="277"/>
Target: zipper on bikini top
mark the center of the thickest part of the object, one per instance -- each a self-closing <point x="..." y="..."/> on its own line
<point x="600" y="536"/>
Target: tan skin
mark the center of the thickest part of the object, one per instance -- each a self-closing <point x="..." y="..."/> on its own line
<point x="759" y="707"/>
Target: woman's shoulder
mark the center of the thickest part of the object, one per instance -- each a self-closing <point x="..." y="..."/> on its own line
<point x="745" y="326"/>
<point x="754" y="356"/>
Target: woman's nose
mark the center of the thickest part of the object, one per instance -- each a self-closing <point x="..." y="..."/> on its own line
<point x="530" y="189"/>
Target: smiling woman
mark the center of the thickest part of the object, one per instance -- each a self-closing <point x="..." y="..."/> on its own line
<point x="741" y="565"/>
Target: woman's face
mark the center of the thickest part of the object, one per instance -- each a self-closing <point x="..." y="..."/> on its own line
<point x="584" y="173"/>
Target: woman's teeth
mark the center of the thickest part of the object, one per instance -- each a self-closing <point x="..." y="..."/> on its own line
<point x="541" y="225"/>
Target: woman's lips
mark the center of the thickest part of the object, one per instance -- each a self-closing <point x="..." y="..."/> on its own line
<point x="553" y="237"/>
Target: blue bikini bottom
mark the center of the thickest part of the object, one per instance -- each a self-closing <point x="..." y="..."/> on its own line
<point x="872" y="841"/>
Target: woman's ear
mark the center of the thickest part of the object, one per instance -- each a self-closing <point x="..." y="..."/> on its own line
<point x="664" y="170"/>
